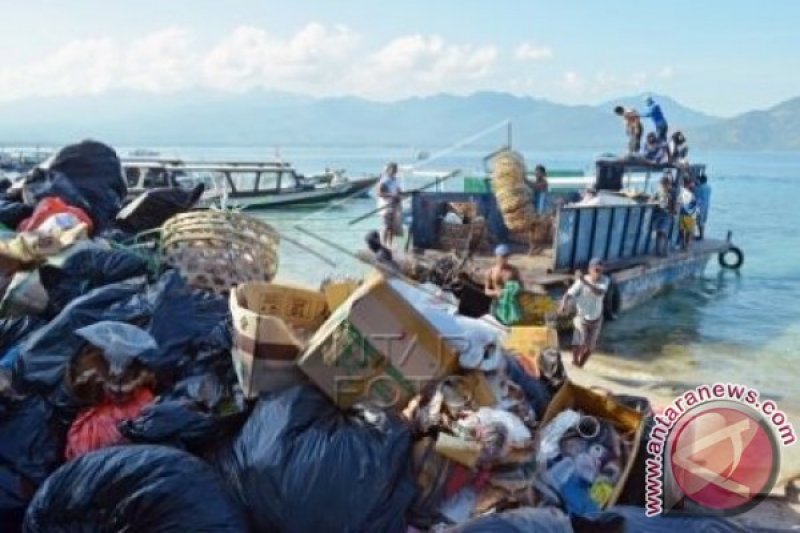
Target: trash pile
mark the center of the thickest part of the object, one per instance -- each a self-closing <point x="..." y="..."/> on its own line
<point x="138" y="394"/>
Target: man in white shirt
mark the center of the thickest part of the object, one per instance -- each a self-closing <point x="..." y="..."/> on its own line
<point x="588" y="292"/>
<point x="389" y="201"/>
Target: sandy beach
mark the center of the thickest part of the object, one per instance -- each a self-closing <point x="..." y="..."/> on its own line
<point x="775" y="512"/>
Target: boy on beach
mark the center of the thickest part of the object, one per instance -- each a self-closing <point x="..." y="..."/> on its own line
<point x="588" y="293"/>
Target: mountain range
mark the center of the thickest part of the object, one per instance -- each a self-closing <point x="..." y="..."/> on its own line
<point x="259" y="117"/>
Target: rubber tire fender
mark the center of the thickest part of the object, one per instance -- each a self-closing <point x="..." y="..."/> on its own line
<point x="738" y="261"/>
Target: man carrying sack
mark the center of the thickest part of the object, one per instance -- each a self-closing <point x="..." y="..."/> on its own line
<point x="588" y="293"/>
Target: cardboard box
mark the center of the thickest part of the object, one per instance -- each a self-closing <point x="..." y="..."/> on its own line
<point x="338" y="292"/>
<point x="377" y="345"/>
<point x="628" y="422"/>
<point x="265" y="347"/>
<point x="298" y="306"/>
<point x="529" y="341"/>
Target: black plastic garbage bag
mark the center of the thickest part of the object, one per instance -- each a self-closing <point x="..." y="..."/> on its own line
<point x="536" y="392"/>
<point x="152" y="208"/>
<point x="14" y="330"/>
<point x="624" y="518"/>
<point x="87" y="266"/>
<point x="176" y="315"/>
<point x="300" y="465"/>
<point x="40" y="184"/>
<point x="181" y="317"/>
<point x="195" y="415"/>
<point x="151" y="489"/>
<point x="31" y="447"/>
<point x="522" y="520"/>
<point x="12" y="213"/>
<point x="95" y="173"/>
<point x="46" y="353"/>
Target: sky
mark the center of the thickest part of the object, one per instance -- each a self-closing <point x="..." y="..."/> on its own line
<point x="722" y="57"/>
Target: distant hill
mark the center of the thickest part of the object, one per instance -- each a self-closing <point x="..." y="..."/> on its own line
<point x="269" y="118"/>
<point x="776" y="128"/>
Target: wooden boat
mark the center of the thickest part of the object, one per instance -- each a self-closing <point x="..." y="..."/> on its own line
<point x="241" y="185"/>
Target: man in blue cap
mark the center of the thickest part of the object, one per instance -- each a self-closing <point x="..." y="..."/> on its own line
<point x="588" y="293"/>
<point x="501" y="272"/>
<point x="503" y="285"/>
<point x="657" y="116"/>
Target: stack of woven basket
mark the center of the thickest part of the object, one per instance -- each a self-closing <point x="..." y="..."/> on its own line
<point x="512" y="192"/>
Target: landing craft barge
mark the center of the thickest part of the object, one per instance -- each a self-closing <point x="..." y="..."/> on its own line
<point x="617" y="229"/>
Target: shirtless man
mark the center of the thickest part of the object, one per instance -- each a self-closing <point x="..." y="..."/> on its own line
<point x="500" y="273"/>
<point x="633" y="127"/>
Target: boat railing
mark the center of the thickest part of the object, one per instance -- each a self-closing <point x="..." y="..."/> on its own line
<point x="609" y="232"/>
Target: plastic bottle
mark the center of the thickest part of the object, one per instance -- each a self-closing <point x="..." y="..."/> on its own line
<point x="561" y="471"/>
<point x="587" y="467"/>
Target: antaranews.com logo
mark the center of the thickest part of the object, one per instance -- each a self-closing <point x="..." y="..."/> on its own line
<point x="717" y="446"/>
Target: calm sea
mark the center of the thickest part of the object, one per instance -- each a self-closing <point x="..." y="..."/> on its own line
<point x="735" y="327"/>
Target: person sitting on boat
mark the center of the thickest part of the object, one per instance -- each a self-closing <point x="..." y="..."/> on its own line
<point x="662" y="215"/>
<point x="687" y="211"/>
<point x="655" y="150"/>
<point x="540" y="188"/>
<point x="657" y="116"/>
<point x="702" y="193"/>
<point x="633" y="127"/>
<point x="503" y="284"/>
<point x="678" y="149"/>
<point x="382" y="255"/>
<point x="588" y="294"/>
<point x="389" y="202"/>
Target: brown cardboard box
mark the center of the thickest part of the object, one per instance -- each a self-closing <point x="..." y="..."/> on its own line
<point x="265" y="347"/>
<point x="376" y="345"/>
<point x="529" y="341"/>
<point x="298" y="306"/>
<point x="337" y="293"/>
<point x="628" y="422"/>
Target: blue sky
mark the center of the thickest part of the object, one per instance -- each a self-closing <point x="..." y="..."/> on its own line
<point x="723" y="57"/>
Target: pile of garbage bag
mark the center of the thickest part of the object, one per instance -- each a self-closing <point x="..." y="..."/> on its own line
<point x="133" y="398"/>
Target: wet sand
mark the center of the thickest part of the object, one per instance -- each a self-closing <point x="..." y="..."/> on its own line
<point x="605" y="372"/>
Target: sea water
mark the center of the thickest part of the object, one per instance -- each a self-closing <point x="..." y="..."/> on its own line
<point x="739" y="327"/>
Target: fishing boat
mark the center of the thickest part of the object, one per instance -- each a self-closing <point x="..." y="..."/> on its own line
<point x="241" y="185"/>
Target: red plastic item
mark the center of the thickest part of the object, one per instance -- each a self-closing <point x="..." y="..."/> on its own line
<point x="53" y="206"/>
<point x="96" y="427"/>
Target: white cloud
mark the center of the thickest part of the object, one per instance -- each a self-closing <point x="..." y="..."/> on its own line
<point x="163" y="61"/>
<point x="419" y="64"/>
<point x="252" y="57"/>
<point x="532" y="52"/>
<point x="316" y="59"/>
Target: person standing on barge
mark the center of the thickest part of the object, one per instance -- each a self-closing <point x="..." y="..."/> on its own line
<point x="633" y="127"/>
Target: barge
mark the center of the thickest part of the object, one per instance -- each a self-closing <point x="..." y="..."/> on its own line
<point x="621" y="233"/>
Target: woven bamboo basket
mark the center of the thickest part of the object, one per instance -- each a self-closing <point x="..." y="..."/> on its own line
<point x="466" y="210"/>
<point x="512" y="193"/>
<point x="217" y="250"/>
<point x="540" y="230"/>
<point x="461" y="236"/>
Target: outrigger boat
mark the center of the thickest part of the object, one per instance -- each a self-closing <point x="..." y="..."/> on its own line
<point x="241" y="185"/>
